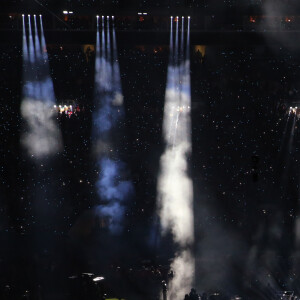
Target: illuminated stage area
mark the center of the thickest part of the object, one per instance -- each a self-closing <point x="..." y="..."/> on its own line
<point x="150" y="150"/>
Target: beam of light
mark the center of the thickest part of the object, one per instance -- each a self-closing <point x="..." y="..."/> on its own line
<point x="98" y="48"/>
<point x="118" y="99"/>
<point x="41" y="136"/>
<point x="31" y="46"/>
<point x="43" y="42"/>
<point x="25" y="45"/>
<point x="113" y="187"/>
<point x="108" y="51"/>
<point x="37" y="40"/>
<point x="291" y="138"/>
<point x="175" y="191"/>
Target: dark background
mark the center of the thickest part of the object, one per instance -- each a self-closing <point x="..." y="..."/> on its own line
<point x="245" y="175"/>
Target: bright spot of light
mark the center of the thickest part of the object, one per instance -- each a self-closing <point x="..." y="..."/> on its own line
<point x="98" y="279"/>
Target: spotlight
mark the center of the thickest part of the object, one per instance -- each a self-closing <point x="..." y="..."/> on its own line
<point x="171" y="17"/>
<point x="182" y="17"/>
<point x="102" y="17"/>
<point x="34" y="15"/>
<point x="189" y="17"/>
<point x="98" y="279"/>
<point x="65" y="12"/>
<point x="23" y="15"/>
<point x="107" y="17"/>
<point x="112" y="17"/>
<point x="97" y="17"/>
<point x="40" y="15"/>
<point x="29" y="16"/>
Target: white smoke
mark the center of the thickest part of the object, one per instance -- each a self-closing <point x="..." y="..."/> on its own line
<point x="42" y="136"/>
<point x="175" y="189"/>
<point x="183" y="276"/>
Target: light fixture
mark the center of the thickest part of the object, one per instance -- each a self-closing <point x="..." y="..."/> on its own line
<point x="98" y="279"/>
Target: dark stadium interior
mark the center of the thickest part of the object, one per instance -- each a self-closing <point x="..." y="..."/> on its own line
<point x="244" y="163"/>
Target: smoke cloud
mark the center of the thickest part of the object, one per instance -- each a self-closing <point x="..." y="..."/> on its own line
<point x="175" y="190"/>
<point x="42" y="136"/>
<point x="113" y="187"/>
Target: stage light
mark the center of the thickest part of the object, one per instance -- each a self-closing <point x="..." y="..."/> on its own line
<point x="111" y="185"/>
<point x="182" y="17"/>
<point x="97" y="17"/>
<point x="139" y="13"/>
<point x="28" y="15"/>
<point x="145" y="14"/>
<point x="23" y="15"/>
<point x="70" y="12"/>
<point x="98" y="279"/>
<point x="40" y="15"/>
<point x="65" y="12"/>
<point x="189" y="17"/>
<point x="174" y="182"/>
<point x="112" y="17"/>
<point x="171" y="17"/>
